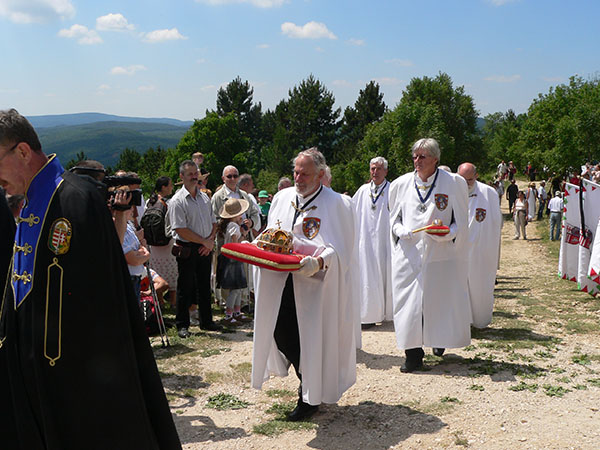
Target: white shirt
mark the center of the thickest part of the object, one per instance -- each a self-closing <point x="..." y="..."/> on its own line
<point x="195" y="214"/>
<point x="555" y="204"/>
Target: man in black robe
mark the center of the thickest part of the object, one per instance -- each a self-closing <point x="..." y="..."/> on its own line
<point x="80" y="370"/>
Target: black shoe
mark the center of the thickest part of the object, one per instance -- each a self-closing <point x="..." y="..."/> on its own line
<point x="211" y="327"/>
<point x="438" y="351"/>
<point x="302" y="411"/>
<point x="366" y="326"/>
<point x="411" y="365"/>
<point x="183" y="333"/>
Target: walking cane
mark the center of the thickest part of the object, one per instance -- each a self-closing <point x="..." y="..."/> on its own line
<point x="159" y="317"/>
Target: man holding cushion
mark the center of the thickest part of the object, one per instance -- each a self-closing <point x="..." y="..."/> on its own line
<point x="429" y="276"/>
<point x="305" y="318"/>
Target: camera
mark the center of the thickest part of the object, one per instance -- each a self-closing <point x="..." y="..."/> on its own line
<point x="244" y="227"/>
<point x="135" y="198"/>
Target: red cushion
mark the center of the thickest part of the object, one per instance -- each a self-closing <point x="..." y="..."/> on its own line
<point x="251" y="254"/>
<point x="438" y="229"/>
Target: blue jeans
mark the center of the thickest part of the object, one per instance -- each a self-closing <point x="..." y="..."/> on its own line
<point x="555" y="219"/>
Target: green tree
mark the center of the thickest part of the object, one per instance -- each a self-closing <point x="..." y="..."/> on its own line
<point x="500" y="135"/>
<point x="129" y="161"/>
<point x="308" y="118"/>
<point x="81" y="156"/>
<point x="368" y="108"/>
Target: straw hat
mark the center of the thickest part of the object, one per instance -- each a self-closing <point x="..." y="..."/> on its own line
<point x="233" y="208"/>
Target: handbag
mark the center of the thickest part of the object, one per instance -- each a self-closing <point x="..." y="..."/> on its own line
<point x="179" y="251"/>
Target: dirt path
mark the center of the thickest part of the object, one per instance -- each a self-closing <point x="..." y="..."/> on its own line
<point x="531" y="380"/>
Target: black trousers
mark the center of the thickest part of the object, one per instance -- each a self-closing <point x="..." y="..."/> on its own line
<point x="286" y="334"/>
<point x="193" y="287"/>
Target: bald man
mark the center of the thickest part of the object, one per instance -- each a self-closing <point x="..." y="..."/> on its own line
<point x="485" y="223"/>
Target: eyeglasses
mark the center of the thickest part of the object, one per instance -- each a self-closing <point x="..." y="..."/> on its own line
<point x="417" y="157"/>
<point x="9" y="150"/>
<point x="232" y="176"/>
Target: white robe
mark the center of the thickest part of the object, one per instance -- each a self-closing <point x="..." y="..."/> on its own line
<point x="485" y="225"/>
<point x="326" y="322"/>
<point x="530" y="197"/>
<point x="430" y="293"/>
<point x="374" y="254"/>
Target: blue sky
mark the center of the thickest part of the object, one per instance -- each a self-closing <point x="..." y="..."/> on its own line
<point x="159" y="58"/>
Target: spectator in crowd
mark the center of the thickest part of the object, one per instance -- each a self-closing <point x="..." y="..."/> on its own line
<point x="91" y="168"/>
<point x="160" y="285"/>
<point x="520" y="215"/>
<point x="429" y="275"/>
<point x="198" y="158"/>
<point x="556" y="209"/>
<point x="136" y="253"/>
<point x="84" y="349"/>
<point x="263" y="204"/>
<point x="161" y="257"/>
<point x="284" y="182"/>
<point x="194" y="227"/>
<point x="502" y="171"/>
<point x="512" y="192"/>
<point x="512" y="170"/>
<point x="231" y="274"/>
<point x="203" y="182"/>
<point x="542" y="200"/>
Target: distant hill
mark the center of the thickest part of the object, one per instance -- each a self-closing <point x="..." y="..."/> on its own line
<point x="105" y="140"/>
<point x="83" y="118"/>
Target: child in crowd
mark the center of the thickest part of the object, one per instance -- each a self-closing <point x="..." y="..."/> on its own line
<point x="230" y="273"/>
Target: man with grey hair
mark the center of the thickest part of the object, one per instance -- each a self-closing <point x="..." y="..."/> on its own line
<point x="284" y="182"/>
<point x="485" y="226"/>
<point x="372" y="233"/>
<point x="429" y="277"/>
<point x="72" y="339"/>
<point x="305" y="318"/>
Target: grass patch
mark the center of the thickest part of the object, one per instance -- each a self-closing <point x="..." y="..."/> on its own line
<point x="582" y="359"/>
<point x="213" y="352"/>
<point x="564" y="380"/>
<point x="279" y="393"/>
<point x="582" y="327"/>
<point x="460" y="439"/>
<point x="555" y="391"/>
<point x="226" y="401"/>
<point x="524" y="387"/>
<point x="580" y="387"/>
<point x="594" y="381"/>
<point x="443" y="406"/>
<point x="214" y="377"/>
<point x="476" y="387"/>
<point x="447" y="399"/>
<point x="281" y="410"/>
<point x="279" y="424"/>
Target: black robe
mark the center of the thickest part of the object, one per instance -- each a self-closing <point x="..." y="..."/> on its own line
<point x="81" y="372"/>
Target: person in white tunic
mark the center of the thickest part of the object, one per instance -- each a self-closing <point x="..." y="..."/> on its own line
<point x="429" y="276"/>
<point x="306" y="318"/>
<point x="374" y="254"/>
<point x="485" y="225"/>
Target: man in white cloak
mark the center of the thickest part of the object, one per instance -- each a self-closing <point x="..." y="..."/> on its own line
<point x="485" y="225"/>
<point x="429" y="276"/>
<point x="374" y="254"/>
<point x="306" y="318"/>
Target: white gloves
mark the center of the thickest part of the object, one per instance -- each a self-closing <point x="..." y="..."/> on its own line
<point x="309" y="265"/>
<point x="401" y="231"/>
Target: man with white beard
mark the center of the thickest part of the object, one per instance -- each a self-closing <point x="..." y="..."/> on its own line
<point x="485" y="225"/>
<point x="372" y="232"/>
<point x="306" y="318"/>
<point x="430" y="293"/>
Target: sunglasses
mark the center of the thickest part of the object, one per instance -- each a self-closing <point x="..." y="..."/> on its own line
<point x="232" y="176"/>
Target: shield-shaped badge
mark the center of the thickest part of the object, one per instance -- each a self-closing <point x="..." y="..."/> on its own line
<point x="441" y="201"/>
<point x="60" y="236"/>
<point x="480" y="214"/>
<point x="310" y="227"/>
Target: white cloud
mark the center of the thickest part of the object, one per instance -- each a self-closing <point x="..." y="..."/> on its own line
<point x="201" y="61"/>
<point x="36" y="11"/>
<point x="342" y="83"/>
<point x="263" y="46"/>
<point x="503" y="78"/>
<point x="209" y="87"/>
<point x="113" y="22"/>
<point x="311" y="30"/>
<point x="129" y="70"/>
<point x="82" y="34"/>
<point x="257" y="3"/>
<point x="400" y="62"/>
<point x="148" y="88"/>
<point x="103" y="87"/>
<point x="357" y="42"/>
<point x="388" y="81"/>
<point x="156" y="36"/>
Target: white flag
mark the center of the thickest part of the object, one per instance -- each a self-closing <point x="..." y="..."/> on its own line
<point x="591" y="213"/>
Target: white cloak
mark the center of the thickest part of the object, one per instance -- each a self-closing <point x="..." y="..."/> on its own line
<point x="374" y="254"/>
<point x="430" y="293"/>
<point x="325" y="312"/>
<point x="485" y="225"/>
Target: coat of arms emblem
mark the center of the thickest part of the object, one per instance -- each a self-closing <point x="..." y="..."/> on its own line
<point x="60" y="236"/>
<point x="311" y="226"/>
<point x="480" y="214"/>
<point x="441" y="201"/>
